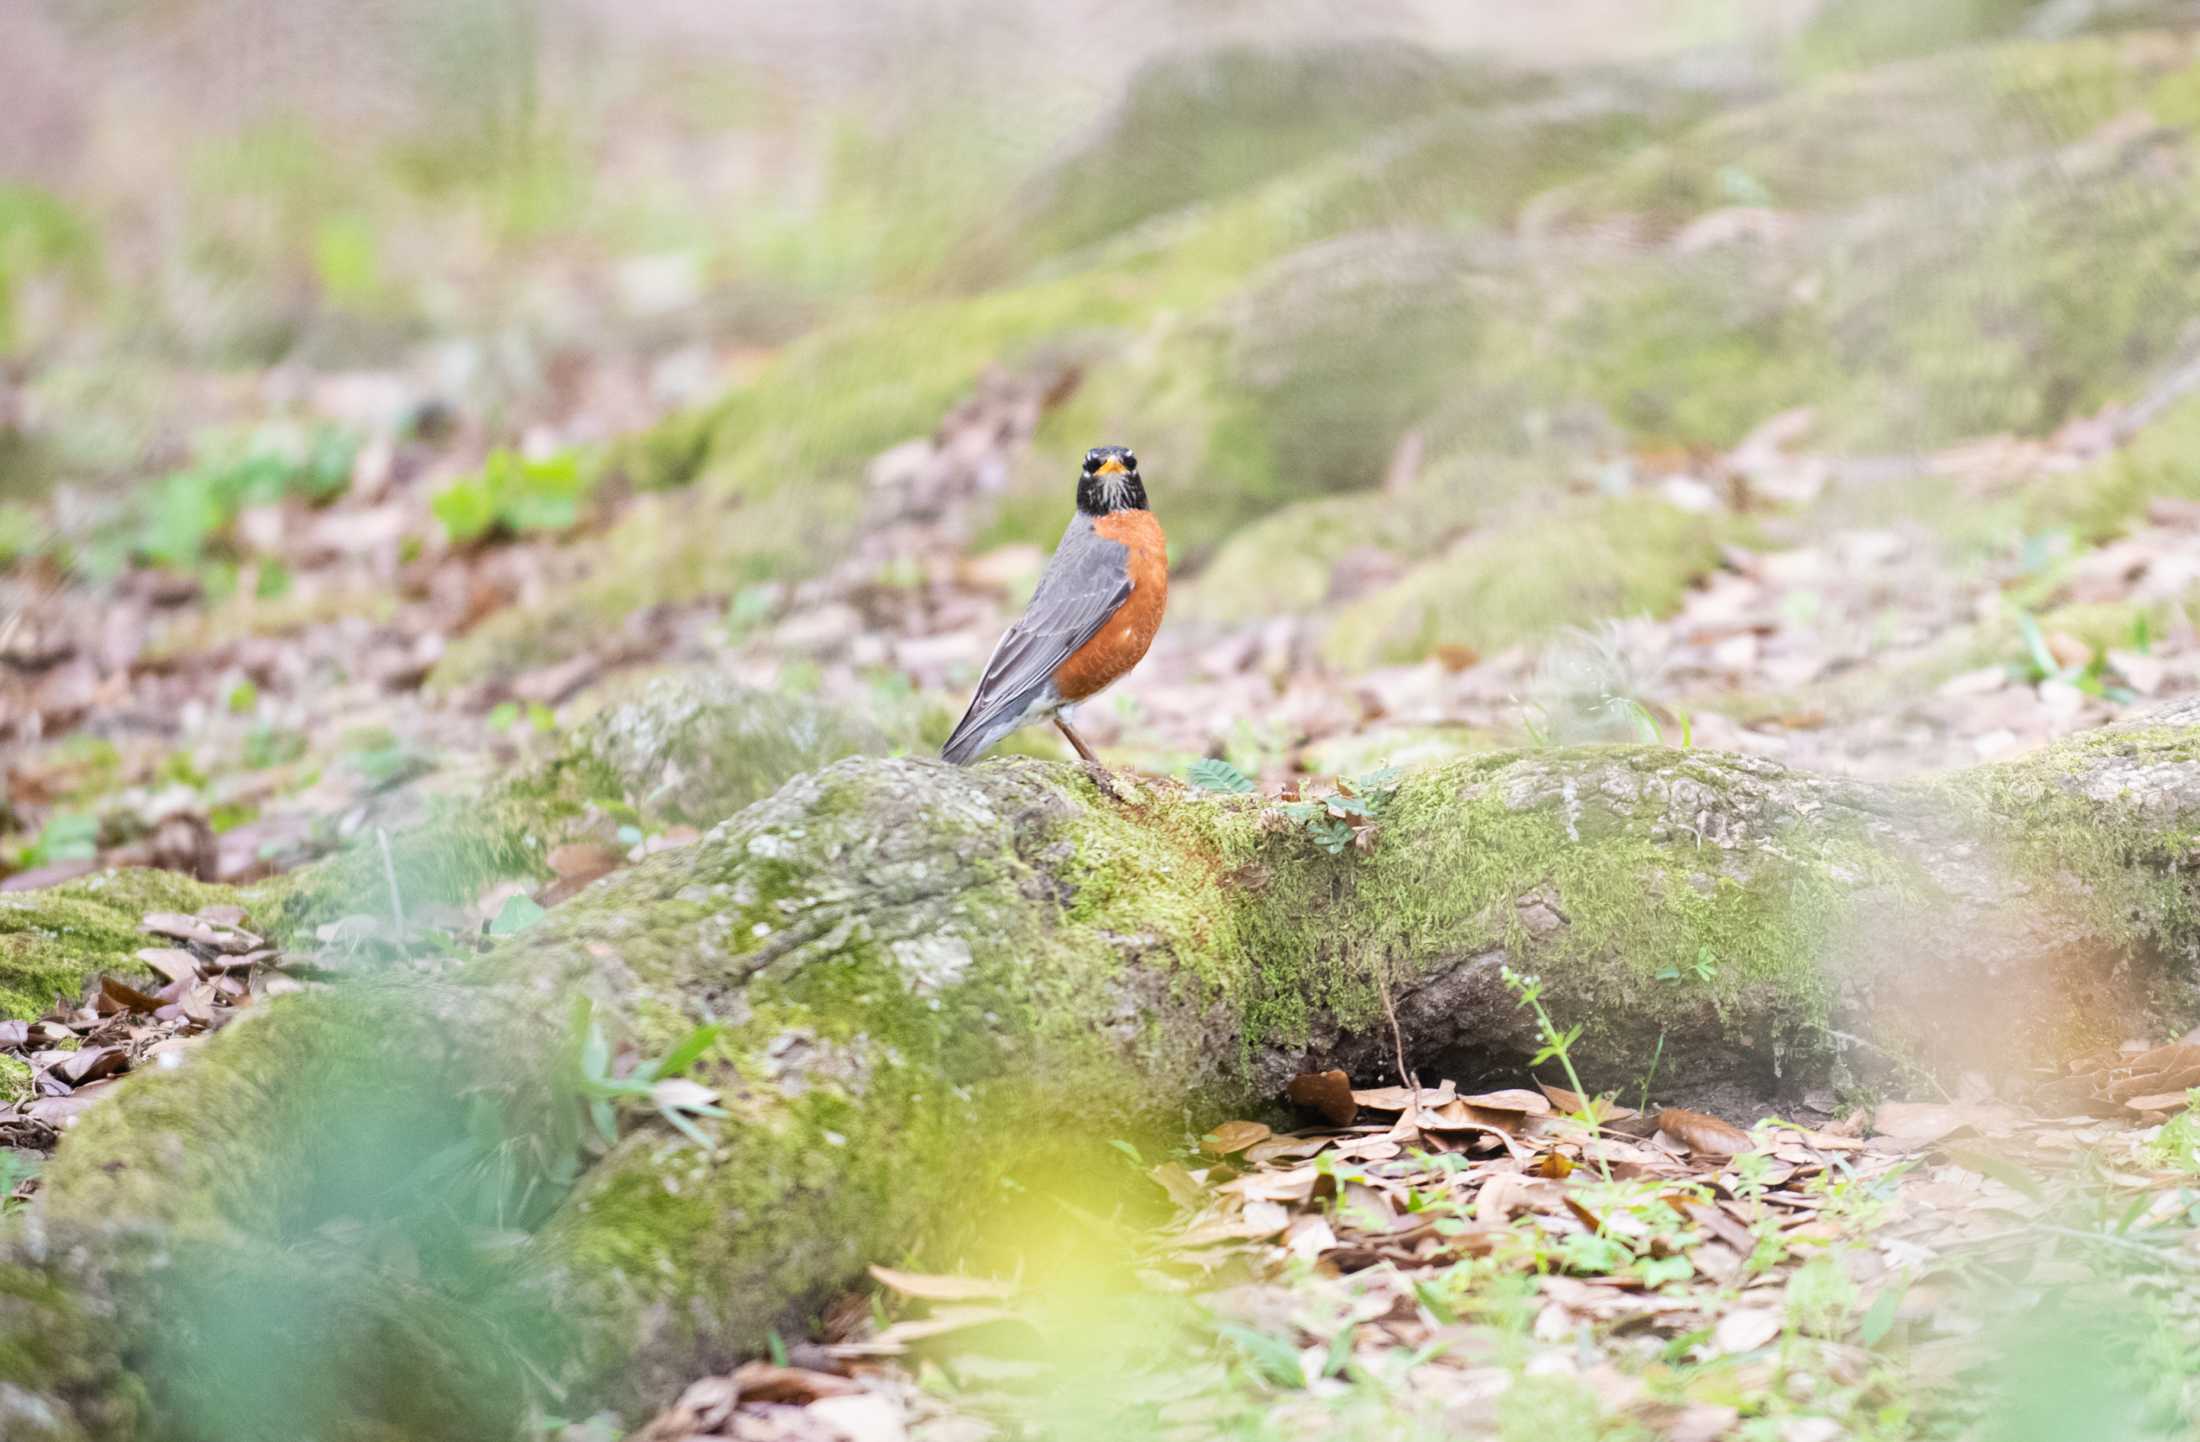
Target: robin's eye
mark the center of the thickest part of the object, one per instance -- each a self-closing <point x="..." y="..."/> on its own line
<point x="1130" y="460"/>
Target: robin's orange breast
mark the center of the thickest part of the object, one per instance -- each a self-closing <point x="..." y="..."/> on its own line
<point x="1121" y="644"/>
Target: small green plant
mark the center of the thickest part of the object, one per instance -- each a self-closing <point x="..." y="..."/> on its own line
<point x="1558" y="1046"/>
<point x="1218" y="776"/>
<point x="1821" y="1299"/>
<point x="1642" y="1098"/>
<point x="517" y="914"/>
<point x="659" y="1083"/>
<point x="1638" y="716"/>
<point x="269" y="746"/>
<point x="23" y="533"/>
<point x="750" y="608"/>
<point x="1535" y="719"/>
<point x="66" y="836"/>
<point x="2176" y="1147"/>
<point x="513" y="495"/>
<point x="2089" y="675"/>
<point x="190" y="510"/>
<point x="1704" y="968"/>
<point x="1349" y="818"/>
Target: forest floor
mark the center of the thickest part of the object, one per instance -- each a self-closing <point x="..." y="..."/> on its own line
<point x="1524" y="1263"/>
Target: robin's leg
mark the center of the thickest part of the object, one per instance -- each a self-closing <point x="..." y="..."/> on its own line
<point x="1075" y="740"/>
<point x="1093" y="765"/>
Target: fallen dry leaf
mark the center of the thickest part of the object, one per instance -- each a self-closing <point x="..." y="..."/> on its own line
<point x="1512" y="1099"/>
<point x="199" y="932"/>
<point x="1703" y="1133"/>
<point x="1398" y="1099"/>
<point x="120" y="996"/>
<point x="91" y="1064"/>
<point x="1929" y="1121"/>
<point x="1744" y="1329"/>
<point x="61" y="1113"/>
<point x="1328" y="1094"/>
<point x="172" y="962"/>
<point x="1179" y="1184"/>
<point x="864" y="1417"/>
<point x="1234" y="1137"/>
<point x="933" y="1288"/>
<point x="942" y="1321"/>
<point x="1602" y="1109"/>
<point x="768" y="1382"/>
<point x="706" y="1404"/>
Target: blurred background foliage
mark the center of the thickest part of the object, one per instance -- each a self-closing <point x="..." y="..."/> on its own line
<point x="1554" y="254"/>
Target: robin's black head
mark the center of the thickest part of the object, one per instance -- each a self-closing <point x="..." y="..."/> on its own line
<point x="1110" y="482"/>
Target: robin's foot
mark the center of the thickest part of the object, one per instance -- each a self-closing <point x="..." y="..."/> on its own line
<point x="1094" y="768"/>
<point x="1105" y="780"/>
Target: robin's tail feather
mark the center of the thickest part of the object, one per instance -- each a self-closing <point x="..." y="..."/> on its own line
<point x="970" y="736"/>
<point x="986" y="722"/>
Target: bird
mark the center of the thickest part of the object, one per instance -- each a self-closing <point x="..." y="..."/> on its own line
<point x="1090" y="620"/>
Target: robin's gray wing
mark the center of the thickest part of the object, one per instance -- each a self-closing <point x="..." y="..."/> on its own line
<point x="1081" y="589"/>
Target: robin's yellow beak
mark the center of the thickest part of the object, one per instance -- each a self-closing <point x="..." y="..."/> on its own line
<point x="1111" y="467"/>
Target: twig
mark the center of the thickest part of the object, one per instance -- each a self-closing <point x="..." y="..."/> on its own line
<point x="389" y="874"/>
<point x="1398" y="1049"/>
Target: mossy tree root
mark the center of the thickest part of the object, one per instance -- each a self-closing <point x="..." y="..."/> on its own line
<point x="927" y="978"/>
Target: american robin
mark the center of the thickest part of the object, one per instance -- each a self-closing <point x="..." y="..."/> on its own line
<point x="1095" y="612"/>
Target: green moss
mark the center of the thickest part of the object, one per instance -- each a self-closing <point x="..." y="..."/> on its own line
<point x="1585" y="561"/>
<point x="1850" y="33"/>
<point x="778" y="466"/>
<point x="1931" y="290"/>
<point x="40" y="238"/>
<point x="55" y="1346"/>
<point x="698" y="748"/>
<point x="1254" y="913"/>
<point x="1635" y="898"/>
<point x="2125" y="872"/>
<point x="879" y="1082"/>
<point x="1848" y="139"/>
<point x="1390" y="745"/>
<point x="15" y="1080"/>
<point x="934" y="981"/>
<point x="453" y="853"/>
<point x="54" y="940"/>
<point x="683" y="749"/>
<point x="2105" y="624"/>
<point x="1283" y="562"/>
<point x="1200" y="127"/>
<point x="2095" y="504"/>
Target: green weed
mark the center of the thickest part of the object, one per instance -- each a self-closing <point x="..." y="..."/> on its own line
<point x="513" y="495"/>
<point x="660" y="1083"/>
<point x="1350" y="817"/>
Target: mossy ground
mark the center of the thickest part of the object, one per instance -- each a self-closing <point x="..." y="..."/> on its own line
<point x="1271" y="343"/>
<point x="2129" y="874"/>
<point x="1580" y="561"/>
<point x="54" y="940"/>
